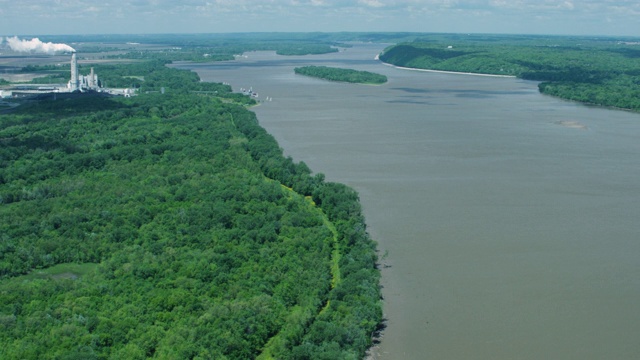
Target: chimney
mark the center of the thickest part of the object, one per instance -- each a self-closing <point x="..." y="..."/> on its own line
<point x="74" y="72"/>
<point x="92" y="80"/>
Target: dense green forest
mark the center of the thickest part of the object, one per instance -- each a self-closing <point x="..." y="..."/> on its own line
<point x="343" y="75"/>
<point x="171" y="226"/>
<point x="595" y="71"/>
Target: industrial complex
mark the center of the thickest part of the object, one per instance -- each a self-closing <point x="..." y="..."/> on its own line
<point x="77" y="84"/>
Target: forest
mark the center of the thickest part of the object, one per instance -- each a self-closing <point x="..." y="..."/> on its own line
<point x="226" y="51"/>
<point x="342" y="75"/>
<point x="603" y="72"/>
<point x="198" y="48"/>
<point x="172" y="226"/>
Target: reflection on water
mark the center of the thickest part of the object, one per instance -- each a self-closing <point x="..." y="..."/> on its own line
<point x="510" y="218"/>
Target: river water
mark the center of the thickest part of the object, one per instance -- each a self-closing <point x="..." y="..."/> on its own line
<point x="509" y="219"/>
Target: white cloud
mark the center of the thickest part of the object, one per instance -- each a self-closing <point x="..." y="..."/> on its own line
<point x="568" y="5"/>
<point x="62" y="16"/>
<point x="371" y="3"/>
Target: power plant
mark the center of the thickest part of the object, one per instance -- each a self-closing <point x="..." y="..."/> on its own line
<point x="80" y="82"/>
<point x="77" y="84"/>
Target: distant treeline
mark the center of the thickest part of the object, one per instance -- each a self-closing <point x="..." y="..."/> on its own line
<point x="344" y="75"/>
<point x="596" y="72"/>
<point x="40" y="68"/>
<point x="216" y="47"/>
<point x="197" y="238"/>
<point x="226" y="50"/>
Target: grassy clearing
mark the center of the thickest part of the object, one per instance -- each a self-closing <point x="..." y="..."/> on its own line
<point x="58" y="272"/>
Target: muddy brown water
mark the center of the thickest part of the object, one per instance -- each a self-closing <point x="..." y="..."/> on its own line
<point x="510" y="218"/>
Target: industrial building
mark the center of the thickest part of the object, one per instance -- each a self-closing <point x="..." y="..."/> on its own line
<point x="77" y="83"/>
<point x="82" y="82"/>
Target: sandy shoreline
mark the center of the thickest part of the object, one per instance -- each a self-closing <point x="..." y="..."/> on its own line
<point x="453" y="72"/>
<point x="444" y="72"/>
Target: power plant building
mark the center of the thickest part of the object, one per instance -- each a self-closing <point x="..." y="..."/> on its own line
<point x="81" y="82"/>
<point x="77" y="83"/>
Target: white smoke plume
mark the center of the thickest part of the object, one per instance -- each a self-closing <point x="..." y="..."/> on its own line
<point x="36" y="46"/>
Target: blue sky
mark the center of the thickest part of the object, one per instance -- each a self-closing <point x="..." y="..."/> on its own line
<point x="573" y="17"/>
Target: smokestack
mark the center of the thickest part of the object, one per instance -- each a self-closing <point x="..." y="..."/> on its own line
<point x="74" y="72"/>
<point x="92" y="80"/>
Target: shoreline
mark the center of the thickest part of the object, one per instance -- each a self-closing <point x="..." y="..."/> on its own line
<point x="454" y="72"/>
<point x="445" y="71"/>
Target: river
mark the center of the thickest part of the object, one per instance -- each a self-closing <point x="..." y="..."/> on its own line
<point x="508" y="220"/>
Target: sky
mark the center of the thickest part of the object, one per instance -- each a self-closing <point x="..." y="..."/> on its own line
<point x="561" y="17"/>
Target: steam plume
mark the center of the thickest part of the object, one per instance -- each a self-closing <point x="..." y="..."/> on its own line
<point x="37" y="46"/>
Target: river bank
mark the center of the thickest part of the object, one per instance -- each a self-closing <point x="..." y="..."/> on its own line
<point x="448" y="72"/>
<point x="443" y="71"/>
<point x="508" y="234"/>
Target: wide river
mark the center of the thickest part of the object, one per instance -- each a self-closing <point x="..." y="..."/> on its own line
<point x="510" y="220"/>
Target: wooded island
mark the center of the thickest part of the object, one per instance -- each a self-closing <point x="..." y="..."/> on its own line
<point x="342" y="75"/>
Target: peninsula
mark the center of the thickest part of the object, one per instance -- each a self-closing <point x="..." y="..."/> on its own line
<point x="600" y="71"/>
